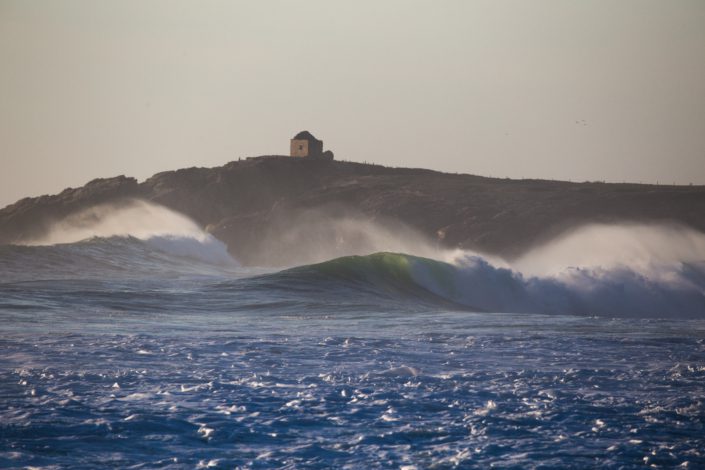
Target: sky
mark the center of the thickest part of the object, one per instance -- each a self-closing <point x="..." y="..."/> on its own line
<point x="594" y="90"/>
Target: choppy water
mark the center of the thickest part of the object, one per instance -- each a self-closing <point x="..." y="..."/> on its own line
<point x="121" y="353"/>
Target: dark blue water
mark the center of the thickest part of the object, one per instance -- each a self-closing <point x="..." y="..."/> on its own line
<point x="116" y="354"/>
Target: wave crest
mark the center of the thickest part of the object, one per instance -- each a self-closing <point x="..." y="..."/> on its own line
<point x="476" y="284"/>
<point x="134" y="218"/>
<point x="133" y="234"/>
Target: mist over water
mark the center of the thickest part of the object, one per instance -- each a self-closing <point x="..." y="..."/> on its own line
<point x="323" y="233"/>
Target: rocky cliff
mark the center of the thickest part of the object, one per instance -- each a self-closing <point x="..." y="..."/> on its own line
<point x="267" y="206"/>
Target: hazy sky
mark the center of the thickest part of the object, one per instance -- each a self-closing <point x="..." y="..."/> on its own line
<point x="592" y="90"/>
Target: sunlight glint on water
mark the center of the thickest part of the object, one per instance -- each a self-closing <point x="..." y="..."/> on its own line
<point x="121" y="352"/>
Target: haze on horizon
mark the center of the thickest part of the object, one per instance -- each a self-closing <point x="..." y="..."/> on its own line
<point x="596" y="90"/>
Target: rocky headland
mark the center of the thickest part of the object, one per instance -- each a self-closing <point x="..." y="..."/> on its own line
<point x="265" y="207"/>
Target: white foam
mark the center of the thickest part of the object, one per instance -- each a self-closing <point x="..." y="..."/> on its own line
<point x="487" y="409"/>
<point x="401" y="371"/>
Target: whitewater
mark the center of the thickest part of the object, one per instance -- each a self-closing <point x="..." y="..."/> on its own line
<point x="131" y="338"/>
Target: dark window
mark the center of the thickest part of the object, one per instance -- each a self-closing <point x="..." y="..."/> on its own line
<point x="301" y="147"/>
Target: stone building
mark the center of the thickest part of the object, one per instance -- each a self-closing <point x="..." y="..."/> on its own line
<point x="304" y="144"/>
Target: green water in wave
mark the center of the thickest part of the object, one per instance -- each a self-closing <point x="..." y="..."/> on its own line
<point x="392" y="273"/>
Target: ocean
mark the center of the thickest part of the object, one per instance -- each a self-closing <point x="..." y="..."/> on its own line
<point x="161" y="351"/>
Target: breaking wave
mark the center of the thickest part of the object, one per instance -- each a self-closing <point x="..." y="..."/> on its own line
<point x="615" y="271"/>
<point x="475" y="284"/>
<point x="114" y="257"/>
<point x="133" y="218"/>
<point x="132" y="238"/>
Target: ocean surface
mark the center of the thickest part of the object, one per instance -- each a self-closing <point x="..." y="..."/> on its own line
<point x="163" y="352"/>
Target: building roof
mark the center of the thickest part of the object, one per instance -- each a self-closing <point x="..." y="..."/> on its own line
<point x="304" y="135"/>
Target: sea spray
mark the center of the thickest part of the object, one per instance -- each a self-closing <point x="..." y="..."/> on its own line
<point x="331" y="231"/>
<point x="645" y="248"/>
<point x="134" y="218"/>
<point x="611" y="291"/>
<point x="164" y="229"/>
